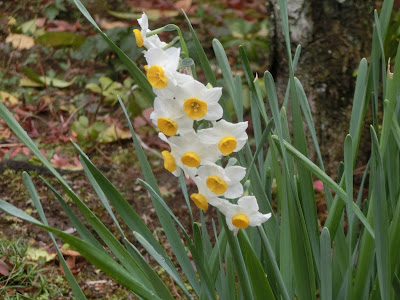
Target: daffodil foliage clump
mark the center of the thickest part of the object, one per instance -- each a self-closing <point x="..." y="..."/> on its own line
<point x="183" y="104"/>
<point x="267" y="246"/>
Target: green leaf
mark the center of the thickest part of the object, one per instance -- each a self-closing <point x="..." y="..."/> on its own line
<point x="272" y="258"/>
<point x="253" y="86"/>
<point x="380" y="214"/>
<point x="261" y="145"/>
<point x="205" y="64"/>
<point x="82" y="230"/>
<point x="128" y="214"/>
<point x="326" y="179"/>
<point x="186" y="63"/>
<point x="326" y="265"/>
<point x="58" y="83"/>
<point x="51" y="12"/>
<point x="240" y="265"/>
<point x="165" y="219"/>
<point x="159" y="286"/>
<point x="365" y="262"/>
<point x="61" y="39"/>
<point x="258" y="279"/>
<point x="161" y="261"/>
<point x="99" y="258"/>
<point x="76" y="290"/>
<point x="226" y="71"/>
<point x="95" y="88"/>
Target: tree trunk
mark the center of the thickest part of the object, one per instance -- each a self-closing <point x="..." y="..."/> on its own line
<point x="334" y="36"/>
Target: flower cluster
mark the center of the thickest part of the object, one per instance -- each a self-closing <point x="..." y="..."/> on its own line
<point x="180" y="103"/>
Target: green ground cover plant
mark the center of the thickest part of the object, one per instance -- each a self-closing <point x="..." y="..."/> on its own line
<point x="273" y="248"/>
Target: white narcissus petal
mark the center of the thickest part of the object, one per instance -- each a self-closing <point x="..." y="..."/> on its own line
<point x="203" y="190"/>
<point x="175" y="152"/>
<point x="185" y="125"/>
<point x="151" y="41"/>
<point x="189" y="142"/>
<point x="210" y="109"/>
<point x="258" y="219"/>
<point x="212" y="95"/>
<point x="246" y="206"/>
<point x="156" y="56"/>
<point x="208" y="136"/>
<point x="248" y="202"/>
<point x="183" y="78"/>
<point x="144" y="22"/>
<point x="207" y="170"/>
<point x="234" y="188"/>
<point x="162" y="67"/>
<point x="235" y="173"/>
<point x="167" y="59"/>
<point x="234" y="191"/>
<point x="215" y="112"/>
<point x="170" y="109"/>
<point x="173" y="90"/>
<point x="223" y="129"/>
<point x="173" y="55"/>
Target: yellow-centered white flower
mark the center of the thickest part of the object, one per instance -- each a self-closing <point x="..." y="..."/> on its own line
<point x="204" y="197"/>
<point x="228" y="136"/>
<point x="141" y="39"/>
<point x="170" y="118"/>
<point x="200" y="102"/>
<point x="223" y="182"/>
<point x="243" y="214"/>
<point x="189" y="153"/>
<point x="161" y="66"/>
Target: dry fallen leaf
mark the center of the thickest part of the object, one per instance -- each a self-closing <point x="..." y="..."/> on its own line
<point x="183" y="4"/>
<point x="6" y="97"/>
<point x="20" y="41"/>
<point x="69" y="252"/>
<point x="11" y="21"/>
<point x="113" y="133"/>
<point x="4" y="269"/>
<point x="104" y="24"/>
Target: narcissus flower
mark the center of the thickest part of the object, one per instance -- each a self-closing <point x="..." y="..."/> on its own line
<point x="170" y="118"/>
<point x="204" y="196"/>
<point x="189" y="153"/>
<point x="200" y="102"/>
<point x="161" y="66"/>
<point x="243" y="214"/>
<point x="228" y="136"/>
<point x="223" y="182"/>
<point x="152" y="41"/>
